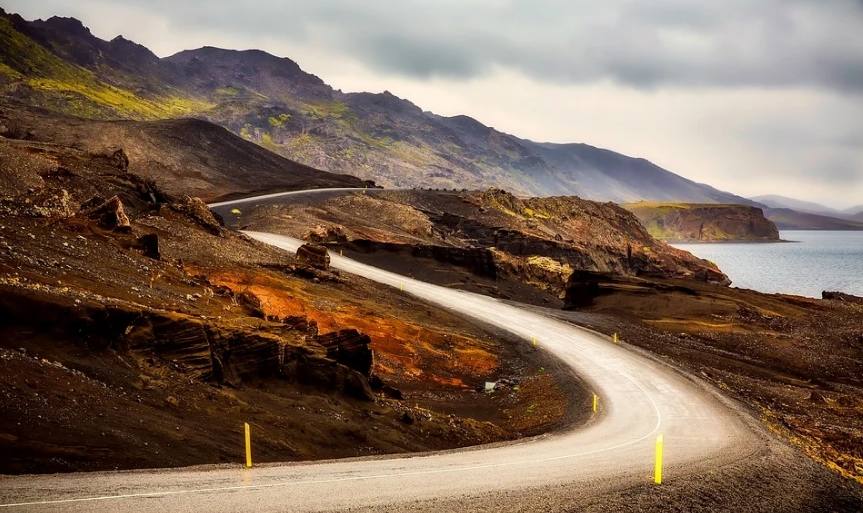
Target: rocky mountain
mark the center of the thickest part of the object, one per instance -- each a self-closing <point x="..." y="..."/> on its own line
<point x="689" y="222"/>
<point x="58" y="64"/>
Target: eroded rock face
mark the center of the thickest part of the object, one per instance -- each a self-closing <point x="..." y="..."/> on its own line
<point x="110" y="214"/>
<point x="686" y="222"/>
<point x="322" y="233"/>
<point x="251" y="303"/>
<point x="322" y="372"/>
<point x="349" y="347"/>
<point x="314" y="255"/>
<point x="207" y="351"/>
<point x="581" y="289"/>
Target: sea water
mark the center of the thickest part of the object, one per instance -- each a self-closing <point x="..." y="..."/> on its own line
<point x="816" y="261"/>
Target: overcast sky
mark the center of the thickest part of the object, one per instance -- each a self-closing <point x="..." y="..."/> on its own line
<point x="753" y="97"/>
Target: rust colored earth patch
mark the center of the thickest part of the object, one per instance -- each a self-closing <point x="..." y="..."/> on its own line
<point x="405" y="351"/>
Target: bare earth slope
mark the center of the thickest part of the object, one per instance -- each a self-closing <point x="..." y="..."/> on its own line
<point x="186" y="156"/>
<point x="136" y="331"/>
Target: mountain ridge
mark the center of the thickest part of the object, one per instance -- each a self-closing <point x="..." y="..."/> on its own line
<point x="271" y="101"/>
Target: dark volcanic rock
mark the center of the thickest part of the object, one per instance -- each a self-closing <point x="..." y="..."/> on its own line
<point x="149" y="245"/>
<point x="315" y="255"/>
<point x="581" y="289"/>
<point x="388" y="390"/>
<point x="181" y="341"/>
<point x="325" y="373"/>
<point x="118" y="159"/>
<point x="349" y="347"/>
<point x="302" y="324"/>
<point x="477" y="260"/>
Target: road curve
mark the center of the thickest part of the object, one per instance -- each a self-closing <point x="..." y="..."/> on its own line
<point x="640" y="398"/>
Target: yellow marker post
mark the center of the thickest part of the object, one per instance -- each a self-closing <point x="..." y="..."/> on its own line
<point x="595" y="402"/>
<point x="657" y="465"/>
<point x="533" y="341"/>
<point x="615" y="339"/>
<point x="248" y="445"/>
<point x="402" y="287"/>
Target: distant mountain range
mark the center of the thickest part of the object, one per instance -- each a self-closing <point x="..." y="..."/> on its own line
<point x="59" y="65"/>
<point x="777" y="201"/>
<point x="790" y="213"/>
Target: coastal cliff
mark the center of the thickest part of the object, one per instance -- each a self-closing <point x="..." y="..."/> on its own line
<point x="696" y="222"/>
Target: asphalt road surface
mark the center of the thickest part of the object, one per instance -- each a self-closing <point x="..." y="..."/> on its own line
<point x="639" y="399"/>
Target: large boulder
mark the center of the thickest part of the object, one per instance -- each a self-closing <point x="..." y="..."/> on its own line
<point x="53" y="203"/>
<point x="251" y="303"/>
<point x="110" y="213"/>
<point x="199" y="212"/>
<point x="149" y="245"/>
<point x="314" y="255"/>
<point x="322" y="233"/>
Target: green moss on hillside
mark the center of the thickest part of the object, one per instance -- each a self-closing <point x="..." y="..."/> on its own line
<point x="325" y="110"/>
<point x="76" y="90"/>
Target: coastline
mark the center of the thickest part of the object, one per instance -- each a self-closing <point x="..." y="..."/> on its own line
<point x="728" y="241"/>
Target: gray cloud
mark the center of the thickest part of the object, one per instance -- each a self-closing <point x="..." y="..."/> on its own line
<point x="749" y="96"/>
<point x="643" y="44"/>
<point x="647" y="44"/>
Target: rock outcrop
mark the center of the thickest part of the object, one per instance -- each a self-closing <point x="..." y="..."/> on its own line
<point x="841" y="296"/>
<point x="326" y="234"/>
<point x="149" y="245"/>
<point x="200" y="212"/>
<point x="110" y="213"/>
<point x="691" y="222"/>
<point x="314" y="255"/>
<point x="349" y="347"/>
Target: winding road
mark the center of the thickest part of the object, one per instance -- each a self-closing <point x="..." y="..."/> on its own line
<point x="640" y="398"/>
